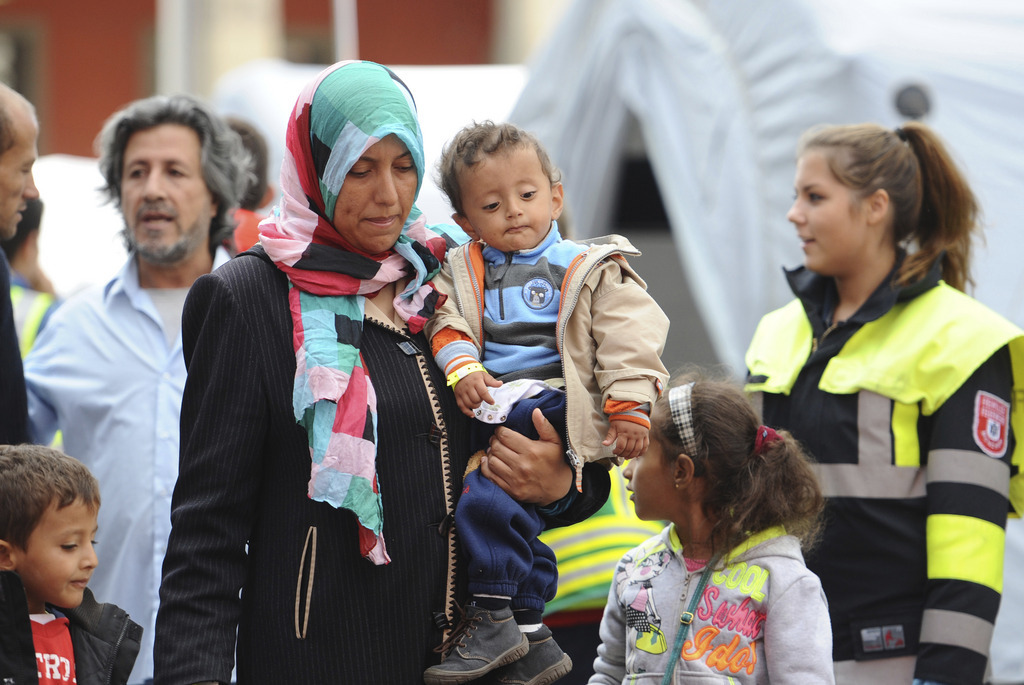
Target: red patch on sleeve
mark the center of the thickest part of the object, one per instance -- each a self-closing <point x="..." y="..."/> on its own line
<point x="991" y="419"/>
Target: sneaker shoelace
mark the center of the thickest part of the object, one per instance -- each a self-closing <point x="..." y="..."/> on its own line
<point x="462" y="628"/>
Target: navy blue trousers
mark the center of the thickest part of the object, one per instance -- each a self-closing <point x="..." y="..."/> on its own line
<point x="500" y="535"/>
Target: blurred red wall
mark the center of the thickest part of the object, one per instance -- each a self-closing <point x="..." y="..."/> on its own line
<point x="88" y="58"/>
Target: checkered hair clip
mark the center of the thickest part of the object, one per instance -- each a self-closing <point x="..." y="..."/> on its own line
<point x="680" y="403"/>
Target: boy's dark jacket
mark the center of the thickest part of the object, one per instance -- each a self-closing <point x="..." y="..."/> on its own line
<point x="105" y="639"/>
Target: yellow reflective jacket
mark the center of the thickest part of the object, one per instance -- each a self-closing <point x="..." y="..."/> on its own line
<point x="911" y="558"/>
<point x="919" y="353"/>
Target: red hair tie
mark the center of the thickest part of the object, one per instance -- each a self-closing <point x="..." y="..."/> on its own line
<point x="765" y="436"/>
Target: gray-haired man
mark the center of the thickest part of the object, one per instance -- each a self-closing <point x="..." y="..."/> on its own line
<point x="108" y="369"/>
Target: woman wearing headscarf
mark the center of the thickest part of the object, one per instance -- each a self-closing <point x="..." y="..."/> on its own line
<point x="321" y="458"/>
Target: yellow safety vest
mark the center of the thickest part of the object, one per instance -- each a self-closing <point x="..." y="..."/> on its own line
<point x="588" y="551"/>
<point x="918" y="354"/>
<point x="29" y="308"/>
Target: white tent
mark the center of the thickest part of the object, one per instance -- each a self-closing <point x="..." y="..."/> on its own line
<point x="719" y="92"/>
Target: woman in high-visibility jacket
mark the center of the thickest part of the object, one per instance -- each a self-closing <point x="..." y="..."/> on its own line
<point x="907" y="392"/>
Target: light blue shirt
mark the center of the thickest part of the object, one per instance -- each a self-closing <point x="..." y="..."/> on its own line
<point x="103" y="373"/>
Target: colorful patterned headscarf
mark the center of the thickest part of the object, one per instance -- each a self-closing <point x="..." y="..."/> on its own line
<point x="345" y="110"/>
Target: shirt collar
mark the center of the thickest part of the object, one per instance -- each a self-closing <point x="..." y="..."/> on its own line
<point x="126" y="281"/>
<point x="496" y="256"/>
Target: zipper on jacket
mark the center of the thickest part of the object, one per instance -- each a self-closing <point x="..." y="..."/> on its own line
<point x="117" y="647"/>
<point x="478" y="295"/>
<point x="478" y="291"/>
<point x="498" y="279"/>
<point x="442" y="616"/>
<point x="816" y="342"/>
<point x="575" y="461"/>
<point x="686" y="592"/>
<point x="563" y="320"/>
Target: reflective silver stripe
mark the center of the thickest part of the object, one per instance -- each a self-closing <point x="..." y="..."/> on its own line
<point x="874" y="431"/>
<point x="897" y="670"/>
<point x="876" y="482"/>
<point x="964" y="466"/>
<point x="956" y="629"/>
<point x="874" y="476"/>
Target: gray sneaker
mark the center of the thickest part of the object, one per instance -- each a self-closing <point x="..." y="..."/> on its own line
<point x="481" y="642"/>
<point x="544" y="664"/>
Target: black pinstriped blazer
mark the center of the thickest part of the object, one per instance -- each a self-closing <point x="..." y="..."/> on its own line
<point x="311" y="609"/>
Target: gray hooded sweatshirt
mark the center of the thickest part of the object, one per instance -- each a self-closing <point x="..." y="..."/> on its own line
<point x="761" y="618"/>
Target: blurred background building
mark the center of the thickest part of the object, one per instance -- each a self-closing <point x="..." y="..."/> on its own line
<point x="80" y="61"/>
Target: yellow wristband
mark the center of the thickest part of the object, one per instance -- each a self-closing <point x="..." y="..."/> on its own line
<point x="463" y="371"/>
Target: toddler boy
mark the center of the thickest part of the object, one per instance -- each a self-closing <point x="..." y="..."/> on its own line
<point x="52" y="630"/>
<point x="564" y="327"/>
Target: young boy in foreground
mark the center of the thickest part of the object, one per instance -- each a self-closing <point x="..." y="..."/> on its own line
<point x="52" y="630"/>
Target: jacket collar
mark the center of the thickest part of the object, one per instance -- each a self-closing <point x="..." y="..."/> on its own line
<point x="818" y="293"/>
<point x="741" y="551"/>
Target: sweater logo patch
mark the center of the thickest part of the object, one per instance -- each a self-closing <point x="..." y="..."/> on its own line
<point x="991" y="419"/>
<point x="538" y="292"/>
